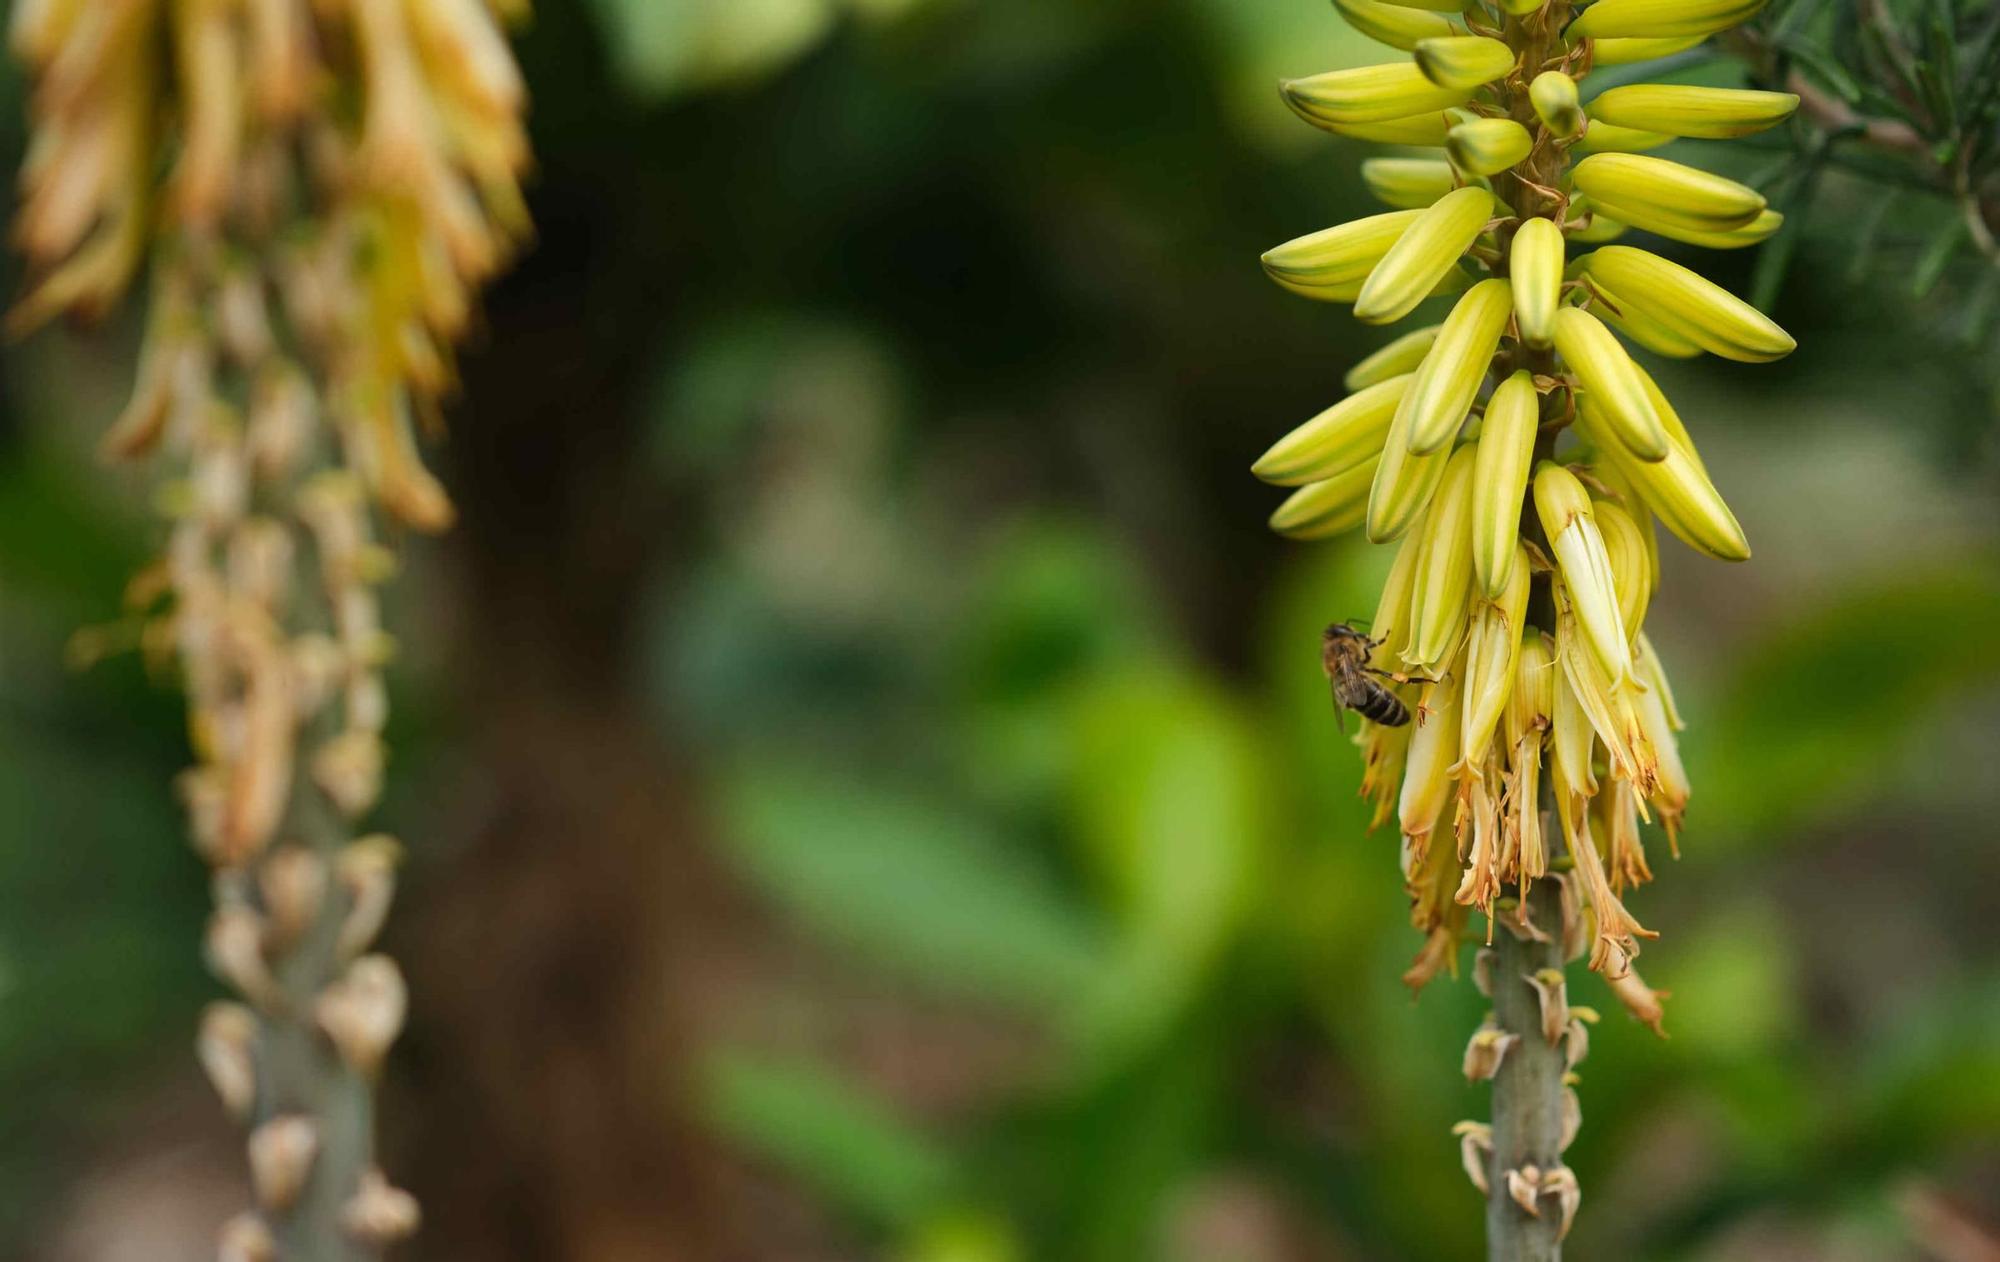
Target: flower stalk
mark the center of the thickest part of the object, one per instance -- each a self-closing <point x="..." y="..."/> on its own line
<point x="317" y="191"/>
<point x="1525" y="455"/>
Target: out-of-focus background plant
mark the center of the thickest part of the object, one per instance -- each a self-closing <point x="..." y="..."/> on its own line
<point x="869" y="784"/>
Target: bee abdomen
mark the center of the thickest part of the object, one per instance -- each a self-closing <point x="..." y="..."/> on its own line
<point x="1384" y="707"/>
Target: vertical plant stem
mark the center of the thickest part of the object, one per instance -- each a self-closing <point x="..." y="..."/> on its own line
<point x="1527" y="1090"/>
<point x="305" y="1075"/>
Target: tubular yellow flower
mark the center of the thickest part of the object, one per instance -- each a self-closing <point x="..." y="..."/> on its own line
<point x="1492" y="649"/>
<point x="1391" y="627"/>
<point x="1612" y="381"/>
<point x="1553" y="94"/>
<point x="1433" y="753"/>
<point x="1371" y="94"/>
<point x="1500" y="475"/>
<point x="1428" y="249"/>
<point x="1442" y="589"/>
<point x="1592" y="225"/>
<point x="1535" y="267"/>
<point x="1328" y="507"/>
<point x="1487" y="146"/>
<point x="1683" y="110"/>
<point x="1631" y="571"/>
<point x="1398" y="357"/>
<point x="1565" y="511"/>
<point x="1463" y="61"/>
<point x="1346" y="435"/>
<point x="1408" y="183"/>
<point x="1443" y="387"/>
<point x="1397" y="25"/>
<point x="1640" y="327"/>
<point x="1690" y="306"/>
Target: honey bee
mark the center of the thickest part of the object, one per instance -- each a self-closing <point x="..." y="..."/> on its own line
<point x="1344" y="653"/>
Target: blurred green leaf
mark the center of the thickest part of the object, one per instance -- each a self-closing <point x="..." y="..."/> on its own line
<point x="914" y="884"/>
<point x="827" y="1132"/>
<point x="1817" y="712"/>
<point x="1170" y="803"/>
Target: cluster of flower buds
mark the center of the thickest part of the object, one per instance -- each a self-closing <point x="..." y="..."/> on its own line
<point x="319" y="189"/>
<point x="1452" y="429"/>
<point x="1517" y="457"/>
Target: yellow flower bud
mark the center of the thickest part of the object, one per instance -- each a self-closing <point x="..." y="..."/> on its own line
<point x="1689" y="305"/>
<point x="1424" y="130"/>
<point x="1463" y="61"/>
<point x="1623" y="52"/>
<point x="1601" y="137"/>
<point x="1433" y="752"/>
<point x="1500" y="475"/>
<point x="1326" y="508"/>
<point x="1371" y="94"/>
<point x="1535" y="267"/>
<point x="1487" y="146"/>
<point x="1609" y="377"/>
<point x="1553" y="94"/>
<point x="1346" y="435"/>
<point x="1665" y="197"/>
<point x="1397" y="358"/>
<point x="1408" y="183"/>
<point x="1334" y="256"/>
<point x="1444" y="569"/>
<point x="1684" y="110"/>
<point x="1397" y="25"/>
<point x="1444" y="386"/>
<point x="1428" y="249"/>
<point x="1661" y="19"/>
